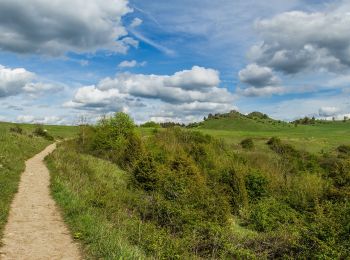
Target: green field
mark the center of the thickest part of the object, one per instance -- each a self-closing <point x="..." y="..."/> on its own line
<point x="321" y="136"/>
<point x="313" y="138"/>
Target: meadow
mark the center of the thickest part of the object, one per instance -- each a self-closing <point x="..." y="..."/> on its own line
<point x="233" y="186"/>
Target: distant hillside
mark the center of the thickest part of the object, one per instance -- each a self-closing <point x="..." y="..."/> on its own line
<point x="234" y="120"/>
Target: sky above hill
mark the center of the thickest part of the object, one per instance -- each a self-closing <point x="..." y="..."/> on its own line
<point x="173" y="60"/>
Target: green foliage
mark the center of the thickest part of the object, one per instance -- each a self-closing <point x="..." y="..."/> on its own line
<point x="145" y="173"/>
<point x="257" y="185"/>
<point x="270" y="214"/>
<point x="235" y="188"/>
<point x="258" y="115"/>
<point x="17" y="129"/>
<point x="41" y="132"/>
<point x="344" y="149"/>
<point x="113" y="138"/>
<point x="151" y="124"/>
<point x="305" y="121"/>
<point x="189" y="195"/>
<point x="247" y="143"/>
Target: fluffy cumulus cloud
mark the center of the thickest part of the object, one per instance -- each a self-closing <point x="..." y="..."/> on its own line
<point x="189" y="91"/>
<point x="259" y="81"/>
<point x="12" y="81"/>
<point x="19" y="80"/>
<point x="55" y="27"/>
<point x="297" y="41"/>
<point x="257" y="76"/>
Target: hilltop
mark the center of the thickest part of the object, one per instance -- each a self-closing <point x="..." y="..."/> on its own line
<point x="234" y="120"/>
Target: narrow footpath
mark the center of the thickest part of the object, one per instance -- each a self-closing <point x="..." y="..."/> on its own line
<point x="35" y="229"/>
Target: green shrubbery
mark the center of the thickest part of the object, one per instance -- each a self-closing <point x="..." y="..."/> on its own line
<point x="16" y="129"/>
<point x="247" y="144"/>
<point x="113" y="138"/>
<point x="190" y="188"/>
<point x="41" y="132"/>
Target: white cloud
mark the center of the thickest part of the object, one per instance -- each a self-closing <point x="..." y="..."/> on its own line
<point x="186" y="93"/>
<point x="84" y="63"/>
<point x="46" y="120"/>
<point x="55" y="27"/>
<point x="259" y="81"/>
<point x="37" y="88"/>
<point x="197" y="84"/>
<point x="91" y="98"/>
<point x="20" y="81"/>
<point x="12" y="81"/>
<point x="131" y="64"/>
<point x="260" y="92"/>
<point x="136" y="22"/>
<point x="298" y="41"/>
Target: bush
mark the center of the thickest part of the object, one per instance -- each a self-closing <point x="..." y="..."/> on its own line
<point x="16" y="129"/>
<point x="236" y="190"/>
<point x="145" y="173"/>
<point x="151" y="124"/>
<point x="41" y="132"/>
<point x="270" y="214"/>
<point x="256" y="185"/>
<point x="248" y="144"/>
<point x="345" y="149"/>
<point x="115" y="139"/>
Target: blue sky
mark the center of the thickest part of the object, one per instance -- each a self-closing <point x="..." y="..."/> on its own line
<point x="173" y="60"/>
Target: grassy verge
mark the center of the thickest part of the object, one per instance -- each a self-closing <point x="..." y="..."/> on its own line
<point x="15" y="149"/>
<point x="93" y="196"/>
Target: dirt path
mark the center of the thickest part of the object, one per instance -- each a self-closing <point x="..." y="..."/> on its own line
<point x="35" y="229"/>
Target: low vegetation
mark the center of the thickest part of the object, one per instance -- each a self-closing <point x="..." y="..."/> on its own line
<point x="178" y="193"/>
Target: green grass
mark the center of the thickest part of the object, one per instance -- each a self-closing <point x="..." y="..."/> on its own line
<point x="14" y="150"/>
<point x="91" y="192"/>
<point x="57" y="131"/>
<point x="313" y="138"/>
<point x="98" y="206"/>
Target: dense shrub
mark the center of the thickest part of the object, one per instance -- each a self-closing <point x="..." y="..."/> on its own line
<point x="247" y="144"/>
<point x="270" y="214"/>
<point x="16" y="129"/>
<point x="145" y="173"/>
<point x="344" y="149"/>
<point x="151" y="124"/>
<point x="208" y="201"/>
<point x="113" y="138"/>
<point x="256" y="184"/>
<point x="41" y="132"/>
<point x="235" y="188"/>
